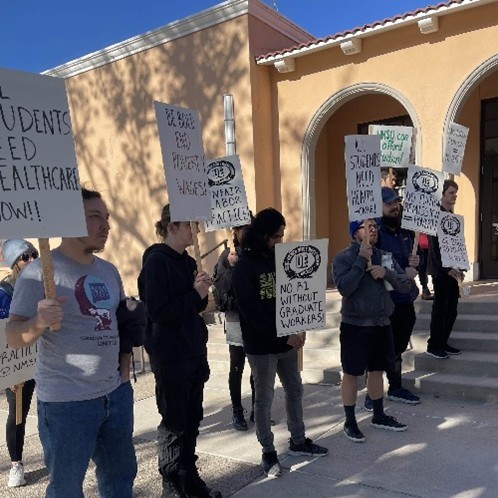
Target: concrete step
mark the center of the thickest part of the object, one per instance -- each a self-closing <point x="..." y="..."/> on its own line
<point x="464" y="322"/>
<point x="468" y="387"/>
<point x="466" y="306"/>
<point x="471" y="363"/>
<point x="475" y="341"/>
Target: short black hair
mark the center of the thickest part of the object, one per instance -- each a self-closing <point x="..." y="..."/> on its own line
<point x="449" y="183"/>
<point x="90" y="194"/>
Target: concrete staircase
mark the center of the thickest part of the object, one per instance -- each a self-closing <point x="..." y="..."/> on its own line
<point x="472" y="375"/>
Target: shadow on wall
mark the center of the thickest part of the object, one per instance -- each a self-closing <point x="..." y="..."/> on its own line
<point x="116" y="136"/>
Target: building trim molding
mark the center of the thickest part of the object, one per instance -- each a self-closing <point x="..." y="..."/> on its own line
<point x="315" y="127"/>
<point x="207" y="18"/>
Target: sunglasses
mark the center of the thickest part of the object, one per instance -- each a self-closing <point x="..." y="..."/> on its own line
<point x="26" y="256"/>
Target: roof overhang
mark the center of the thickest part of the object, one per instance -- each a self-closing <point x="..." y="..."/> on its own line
<point x="207" y="18"/>
<point x="351" y="42"/>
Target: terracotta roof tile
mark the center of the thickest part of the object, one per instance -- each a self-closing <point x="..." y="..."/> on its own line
<point x="352" y="31"/>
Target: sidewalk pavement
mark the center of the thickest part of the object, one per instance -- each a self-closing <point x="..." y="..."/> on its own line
<point x="449" y="450"/>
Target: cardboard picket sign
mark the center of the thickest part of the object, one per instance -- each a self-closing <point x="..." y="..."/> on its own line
<point x="16" y="365"/>
<point x="180" y="135"/>
<point x="395" y="145"/>
<point x="362" y="158"/>
<point x="40" y="193"/>
<point x="228" y="194"/>
<point x="451" y="238"/>
<point x="454" y="149"/>
<point x="301" y="281"/>
<point x="424" y="188"/>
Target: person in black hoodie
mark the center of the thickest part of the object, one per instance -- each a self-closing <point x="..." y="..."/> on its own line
<point x="253" y="280"/>
<point x="223" y="283"/>
<point x="174" y="293"/>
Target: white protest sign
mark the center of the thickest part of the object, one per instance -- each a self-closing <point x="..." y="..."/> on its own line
<point x="16" y="365"/>
<point x="424" y="188"/>
<point x="362" y="157"/>
<point x="301" y="280"/>
<point x="454" y="150"/>
<point x="183" y="158"/>
<point x="395" y="145"/>
<point x="228" y="194"/>
<point x="451" y="240"/>
<point x="40" y="193"/>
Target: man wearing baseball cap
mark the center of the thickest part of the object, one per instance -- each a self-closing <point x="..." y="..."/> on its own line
<point x="366" y="336"/>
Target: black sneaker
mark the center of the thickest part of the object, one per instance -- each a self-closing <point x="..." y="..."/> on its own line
<point x="197" y="488"/>
<point x="368" y="404"/>
<point x="238" y="420"/>
<point x="403" y="395"/>
<point x="437" y="353"/>
<point x="353" y="433"/>
<point x="451" y="350"/>
<point x="271" y="465"/>
<point x="389" y="423"/>
<point x="172" y="488"/>
<point x="308" y="448"/>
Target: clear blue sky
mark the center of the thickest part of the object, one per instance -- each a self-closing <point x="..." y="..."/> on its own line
<point x="38" y="35"/>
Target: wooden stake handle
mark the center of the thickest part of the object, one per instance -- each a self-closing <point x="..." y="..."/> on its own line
<point x="48" y="274"/>
<point x="19" y="405"/>
<point x="300" y="360"/>
<point x="193" y="227"/>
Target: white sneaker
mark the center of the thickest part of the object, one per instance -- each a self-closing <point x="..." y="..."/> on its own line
<point x="16" y="476"/>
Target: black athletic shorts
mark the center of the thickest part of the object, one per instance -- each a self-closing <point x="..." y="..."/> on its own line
<point x="366" y="348"/>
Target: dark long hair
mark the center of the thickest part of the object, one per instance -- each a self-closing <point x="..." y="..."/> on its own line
<point x="266" y="224"/>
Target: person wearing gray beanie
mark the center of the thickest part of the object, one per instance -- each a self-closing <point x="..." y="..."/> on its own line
<point x="17" y="254"/>
<point x="13" y="249"/>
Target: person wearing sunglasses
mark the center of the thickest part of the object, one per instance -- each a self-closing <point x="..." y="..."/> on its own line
<point x="17" y="254"/>
<point x="365" y="331"/>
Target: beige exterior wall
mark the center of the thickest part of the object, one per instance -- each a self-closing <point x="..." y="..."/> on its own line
<point x="427" y="70"/>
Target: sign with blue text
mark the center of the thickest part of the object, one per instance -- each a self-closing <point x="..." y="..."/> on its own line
<point x="395" y="145"/>
<point x="183" y="159"/>
<point x="424" y="188"/>
<point x="301" y="281"/>
<point x="16" y="365"/>
<point x="362" y="157"/>
<point x="40" y="193"/>
<point x="451" y="240"/>
<point x="228" y="194"/>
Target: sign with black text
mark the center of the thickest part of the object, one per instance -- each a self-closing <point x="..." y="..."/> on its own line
<point x="451" y="240"/>
<point x="183" y="158"/>
<point x="424" y="188"/>
<point x="362" y="157"/>
<point x="454" y="150"/>
<point x="228" y="194"/>
<point x="16" y="365"/>
<point x="301" y="280"/>
<point x="395" y="145"/>
<point x="40" y="193"/>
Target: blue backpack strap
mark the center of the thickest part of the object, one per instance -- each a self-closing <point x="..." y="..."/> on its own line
<point x="7" y="287"/>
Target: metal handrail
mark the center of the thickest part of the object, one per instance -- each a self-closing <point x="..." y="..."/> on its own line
<point x="222" y="243"/>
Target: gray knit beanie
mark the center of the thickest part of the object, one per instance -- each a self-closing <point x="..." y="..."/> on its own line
<point x="13" y="248"/>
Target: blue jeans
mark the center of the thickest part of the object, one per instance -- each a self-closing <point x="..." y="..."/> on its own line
<point x="73" y="432"/>
<point x="264" y="367"/>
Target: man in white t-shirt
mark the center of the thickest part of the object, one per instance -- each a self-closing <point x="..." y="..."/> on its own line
<point x="85" y="403"/>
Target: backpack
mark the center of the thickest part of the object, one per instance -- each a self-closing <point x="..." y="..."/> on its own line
<point x="222" y="300"/>
<point x="7" y="287"/>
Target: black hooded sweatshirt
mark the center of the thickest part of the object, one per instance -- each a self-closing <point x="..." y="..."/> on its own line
<point x="165" y="284"/>
<point x="253" y="280"/>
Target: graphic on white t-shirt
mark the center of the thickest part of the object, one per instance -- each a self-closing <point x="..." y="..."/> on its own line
<point x="94" y="299"/>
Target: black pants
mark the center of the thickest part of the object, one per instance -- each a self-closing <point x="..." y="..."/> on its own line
<point x="402" y="323"/>
<point x="179" y="396"/>
<point x="14" y="434"/>
<point x="444" y="310"/>
<point x="237" y="362"/>
<point x="422" y="269"/>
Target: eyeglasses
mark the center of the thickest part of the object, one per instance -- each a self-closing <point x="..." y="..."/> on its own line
<point x="26" y="256"/>
<point x="372" y="226"/>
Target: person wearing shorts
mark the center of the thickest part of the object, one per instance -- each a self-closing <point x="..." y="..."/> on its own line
<point x="366" y="336"/>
